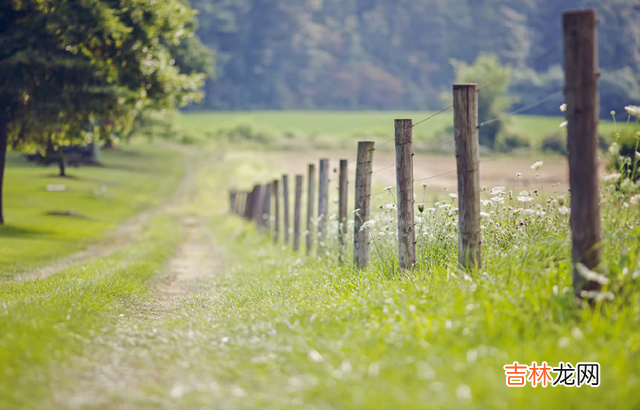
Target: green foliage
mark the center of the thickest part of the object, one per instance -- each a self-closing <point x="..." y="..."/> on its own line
<point x="389" y="54"/>
<point x="510" y="140"/>
<point x="555" y="142"/>
<point x="493" y="79"/>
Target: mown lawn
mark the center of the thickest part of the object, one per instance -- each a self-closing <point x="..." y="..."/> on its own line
<point x="41" y="224"/>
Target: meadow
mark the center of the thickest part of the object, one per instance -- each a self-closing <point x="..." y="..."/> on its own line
<point x="199" y="310"/>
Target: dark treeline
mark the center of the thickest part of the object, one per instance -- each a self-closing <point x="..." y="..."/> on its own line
<point x="396" y="54"/>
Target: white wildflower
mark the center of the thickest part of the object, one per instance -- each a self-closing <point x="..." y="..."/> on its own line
<point x="486" y="202"/>
<point x="497" y="190"/>
<point x="590" y="275"/>
<point x="537" y="165"/>
<point x="389" y="207"/>
<point x="635" y="200"/>
<point x="611" y="178"/>
<point x="614" y="149"/>
<point x="355" y="212"/>
<point x="518" y="174"/>
<point x="524" y="193"/>
<point x="498" y="199"/>
<point x="367" y="225"/>
<point x="425" y="185"/>
<point x="389" y="188"/>
<point x="431" y="210"/>
<point x="454" y="196"/>
<point x="564" y="210"/>
<point x="633" y="110"/>
<point x="564" y="124"/>
<point x="625" y="205"/>
<point x="563" y="107"/>
<point x="445" y="206"/>
<point x="529" y="211"/>
<point x="541" y="213"/>
<point x="484" y="214"/>
<point x="637" y="154"/>
<point x="525" y="198"/>
<point x="613" y="113"/>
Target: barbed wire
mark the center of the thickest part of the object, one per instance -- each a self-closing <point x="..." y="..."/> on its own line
<point x="432" y="116"/>
<point x="523" y="109"/>
<point x="422" y="151"/>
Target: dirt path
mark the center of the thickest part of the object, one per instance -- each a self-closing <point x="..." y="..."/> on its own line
<point x="124" y="366"/>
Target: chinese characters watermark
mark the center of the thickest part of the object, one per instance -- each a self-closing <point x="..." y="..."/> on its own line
<point x="583" y="374"/>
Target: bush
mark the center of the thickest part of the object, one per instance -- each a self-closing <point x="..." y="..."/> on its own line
<point x="555" y="142"/>
<point x="510" y="140"/>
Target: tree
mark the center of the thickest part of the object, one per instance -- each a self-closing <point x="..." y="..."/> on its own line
<point x="67" y="64"/>
<point x="493" y="79"/>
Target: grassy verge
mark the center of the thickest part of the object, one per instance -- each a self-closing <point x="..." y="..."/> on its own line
<point x="42" y="224"/>
<point x="46" y="322"/>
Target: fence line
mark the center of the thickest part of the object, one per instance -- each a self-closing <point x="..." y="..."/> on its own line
<point x="581" y="82"/>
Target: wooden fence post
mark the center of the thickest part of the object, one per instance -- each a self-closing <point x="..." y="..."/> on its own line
<point x="465" y="126"/>
<point x="363" y="202"/>
<point x="581" y="97"/>
<point x="276" y="193"/>
<point x="404" y="187"/>
<point x="310" y="201"/>
<point x="232" y="200"/>
<point x="343" y="198"/>
<point x="256" y="204"/>
<point x="323" y="202"/>
<point x="265" y="224"/>
<point x="285" y="200"/>
<point x="248" y="202"/>
<point x="296" y="213"/>
<point x="256" y="207"/>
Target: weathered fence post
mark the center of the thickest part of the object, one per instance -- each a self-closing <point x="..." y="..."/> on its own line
<point x="310" y="201"/>
<point x="285" y="200"/>
<point x="265" y="224"/>
<point x="323" y="202"/>
<point x="296" y="213"/>
<point x="276" y="193"/>
<point x="248" y="212"/>
<point x="232" y="200"/>
<point x="465" y="125"/>
<point x="343" y="198"/>
<point x="404" y="187"/>
<point x="256" y="204"/>
<point x="581" y="97"/>
<point x="363" y="201"/>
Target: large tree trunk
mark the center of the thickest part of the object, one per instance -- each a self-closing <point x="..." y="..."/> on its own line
<point x="4" y="136"/>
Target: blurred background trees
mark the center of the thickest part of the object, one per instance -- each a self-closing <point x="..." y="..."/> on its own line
<point x="395" y="54"/>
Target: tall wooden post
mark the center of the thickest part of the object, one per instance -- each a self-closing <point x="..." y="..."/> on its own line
<point x="581" y="97"/>
<point x="297" y="207"/>
<point x="256" y="206"/>
<point x="465" y="125"/>
<point x="232" y="200"/>
<point x="363" y="202"/>
<point x="404" y="187"/>
<point x="343" y="198"/>
<point x="285" y="201"/>
<point x="275" y="185"/>
<point x="323" y="202"/>
<point x="310" y="200"/>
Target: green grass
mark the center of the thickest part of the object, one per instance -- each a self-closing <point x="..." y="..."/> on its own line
<point x="130" y="179"/>
<point x="45" y="323"/>
<point x="278" y="330"/>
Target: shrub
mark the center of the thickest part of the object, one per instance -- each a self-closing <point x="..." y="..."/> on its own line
<point x="510" y="140"/>
<point x="623" y="153"/>
<point x="555" y="142"/>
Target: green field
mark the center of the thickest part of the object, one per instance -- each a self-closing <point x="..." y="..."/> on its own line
<point x="331" y="128"/>
<point x="198" y="310"/>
